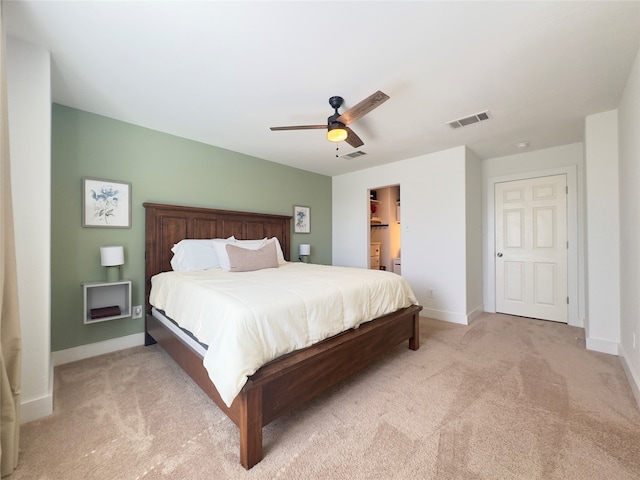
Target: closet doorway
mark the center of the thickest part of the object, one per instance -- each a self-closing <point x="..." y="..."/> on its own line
<point x="384" y="229"/>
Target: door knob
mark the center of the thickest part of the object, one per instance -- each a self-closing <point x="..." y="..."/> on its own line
<point x="499" y="254"/>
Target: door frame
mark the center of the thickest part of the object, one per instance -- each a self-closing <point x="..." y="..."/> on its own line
<point x="573" y="282"/>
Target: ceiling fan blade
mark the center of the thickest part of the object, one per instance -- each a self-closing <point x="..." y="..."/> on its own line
<point x="361" y="109"/>
<point x="300" y="127"/>
<point x="353" y="139"/>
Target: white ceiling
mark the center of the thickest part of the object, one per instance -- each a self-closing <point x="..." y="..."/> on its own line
<point x="222" y="73"/>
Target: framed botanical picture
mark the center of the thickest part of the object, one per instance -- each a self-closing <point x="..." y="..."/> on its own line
<point x="301" y="219"/>
<point x="106" y="203"/>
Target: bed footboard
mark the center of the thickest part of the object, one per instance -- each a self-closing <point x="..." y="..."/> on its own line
<point x="294" y="379"/>
<point x="288" y="383"/>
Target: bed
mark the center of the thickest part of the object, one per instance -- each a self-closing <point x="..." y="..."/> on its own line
<point x="288" y="381"/>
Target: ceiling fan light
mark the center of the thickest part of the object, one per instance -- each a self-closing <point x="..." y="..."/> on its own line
<point x="336" y="132"/>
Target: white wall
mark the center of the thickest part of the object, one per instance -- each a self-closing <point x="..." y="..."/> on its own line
<point x="568" y="160"/>
<point x="433" y="196"/>
<point x="629" y="151"/>
<point x="29" y="96"/>
<point x="603" y="232"/>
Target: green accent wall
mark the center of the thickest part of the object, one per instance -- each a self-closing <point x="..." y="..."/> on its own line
<point x="164" y="169"/>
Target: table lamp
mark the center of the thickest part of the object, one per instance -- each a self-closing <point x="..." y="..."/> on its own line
<point x="305" y="251"/>
<point x="112" y="258"/>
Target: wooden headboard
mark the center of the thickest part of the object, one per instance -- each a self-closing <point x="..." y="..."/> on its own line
<point x="166" y="225"/>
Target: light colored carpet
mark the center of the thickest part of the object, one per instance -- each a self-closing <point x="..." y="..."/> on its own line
<point x="505" y="398"/>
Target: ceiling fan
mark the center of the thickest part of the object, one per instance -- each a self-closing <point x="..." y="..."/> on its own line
<point x="337" y="124"/>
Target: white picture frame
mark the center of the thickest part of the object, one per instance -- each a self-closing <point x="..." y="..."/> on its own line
<point x="301" y="219"/>
<point x="106" y="203"/>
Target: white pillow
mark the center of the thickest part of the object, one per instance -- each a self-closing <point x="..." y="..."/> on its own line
<point x="250" y="243"/>
<point x="260" y="243"/>
<point x="190" y="255"/>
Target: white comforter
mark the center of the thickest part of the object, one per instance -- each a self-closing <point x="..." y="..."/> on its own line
<point x="250" y="318"/>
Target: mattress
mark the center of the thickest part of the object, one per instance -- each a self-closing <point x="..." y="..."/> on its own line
<point x="250" y="318"/>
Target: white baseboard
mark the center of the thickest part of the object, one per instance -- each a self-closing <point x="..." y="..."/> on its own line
<point x="94" y="349"/>
<point x="603" y="346"/>
<point x="36" y="409"/>
<point x="452" y="317"/>
<point x="444" y="316"/>
<point x="632" y="375"/>
<point x="475" y="313"/>
<point x="31" y="410"/>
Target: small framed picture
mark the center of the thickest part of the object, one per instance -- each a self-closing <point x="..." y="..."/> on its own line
<point x="301" y="219"/>
<point x="106" y="203"/>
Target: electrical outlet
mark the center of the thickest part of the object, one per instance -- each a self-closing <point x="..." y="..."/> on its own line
<point x="137" y="311"/>
<point x="430" y="292"/>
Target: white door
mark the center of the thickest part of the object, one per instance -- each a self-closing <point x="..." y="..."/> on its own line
<point x="531" y="248"/>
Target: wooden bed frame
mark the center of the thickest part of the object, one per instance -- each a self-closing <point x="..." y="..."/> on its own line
<point x="289" y="381"/>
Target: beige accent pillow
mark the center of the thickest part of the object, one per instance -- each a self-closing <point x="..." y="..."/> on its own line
<point x="245" y="260"/>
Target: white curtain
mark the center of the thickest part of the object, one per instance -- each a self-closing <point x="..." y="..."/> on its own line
<point x="10" y="340"/>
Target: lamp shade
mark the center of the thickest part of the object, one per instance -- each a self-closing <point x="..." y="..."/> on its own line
<point x="305" y="249"/>
<point x="111" y="256"/>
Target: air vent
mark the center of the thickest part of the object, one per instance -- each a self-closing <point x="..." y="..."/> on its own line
<point x="355" y="154"/>
<point x="475" y="118"/>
